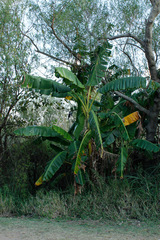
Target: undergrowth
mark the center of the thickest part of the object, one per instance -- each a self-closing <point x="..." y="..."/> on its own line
<point x="135" y="197"/>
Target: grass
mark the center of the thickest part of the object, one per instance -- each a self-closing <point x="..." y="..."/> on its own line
<point x="135" y="197"/>
<point x="39" y="229"/>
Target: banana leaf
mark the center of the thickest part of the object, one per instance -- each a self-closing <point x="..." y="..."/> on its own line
<point x="62" y="132"/>
<point x="56" y="148"/>
<point x="94" y="125"/>
<point x="109" y="139"/>
<point x="131" y="118"/>
<point x="45" y="86"/>
<point x="69" y="76"/>
<point x="146" y="145"/>
<point x="83" y="144"/>
<point x="124" y="84"/>
<point x="79" y="178"/>
<point x="53" y="165"/>
<point x="122" y="161"/>
<point x="72" y="150"/>
<point x="79" y="125"/>
<point x="47" y="133"/>
<point x="99" y="67"/>
<point x="36" y="131"/>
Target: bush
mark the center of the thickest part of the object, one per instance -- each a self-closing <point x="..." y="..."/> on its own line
<point x="22" y="166"/>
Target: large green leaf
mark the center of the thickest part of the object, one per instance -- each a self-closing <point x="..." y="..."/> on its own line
<point x="45" y="86"/>
<point x="120" y="126"/>
<point x="68" y="75"/>
<point x="72" y="150"/>
<point x="56" y="148"/>
<point x="99" y="65"/>
<point x="58" y="140"/>
<point x="109" y="139"/>
<point x="79" y="125"/>
<point x="79" y="178"/>
<point x="122" y="161"/>
<point x="94" y="125"/>
<point x="62" y="132"/>
<point x="144" y="144"/>
<point x="123" y="84"/>
<point x="47" y="133"/>
<point x="36" y="131"/>
<point x="83" y="144"/>
<point x="53" y="165"/>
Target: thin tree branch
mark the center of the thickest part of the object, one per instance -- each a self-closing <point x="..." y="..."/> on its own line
<point x="137" y="105"/>
<point x="47" y="54"/>
<point x="55" y="58"/>
<point x="130" y="61"/>
<point x="63" y="43"/>
<point x="127" y="35"/>
<point x="132" y="44"/>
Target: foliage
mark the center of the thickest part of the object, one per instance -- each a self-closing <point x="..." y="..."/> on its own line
<point x="87" y="129"/>
<point x="136" y="197"/>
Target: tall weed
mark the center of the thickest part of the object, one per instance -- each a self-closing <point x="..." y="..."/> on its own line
<point x="135" y="197"/>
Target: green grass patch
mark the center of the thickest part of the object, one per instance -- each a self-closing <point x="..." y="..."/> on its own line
<point x="135" y="197"/>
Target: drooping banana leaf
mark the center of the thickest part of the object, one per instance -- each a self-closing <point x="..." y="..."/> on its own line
<point x="71" y="130"/>
<point x="45" y="86"/>
<point x="122" y="161"/>
<point x="120" y="126"/>
<point x="100" y="60"/>
<point x="72" y="150"/>
<point x="56" y="148"/>
<point x="83" y="144"/>
<point x="153" y="85"/>
<point x="53" y="166"/>
<point x="47" y="133"/>
<point x="131" y="118"/>
<point x="79" y="125"/>
<point x="62" y="132"/>
<point x="59" y="140"/>
<point x="36" y="131"/>
<point x="69" y="76"/>
<point x="39" y="181"/>
<point x="94" y="125"/>
<point x="109" y="139"/>
<point x="124" y="83"/>
<point x="79" y="178"/>
<point x="146" y="145"/>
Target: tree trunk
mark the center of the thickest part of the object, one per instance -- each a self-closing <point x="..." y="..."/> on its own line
<point x="153" y="118"/>
<point x="155" y="108"/>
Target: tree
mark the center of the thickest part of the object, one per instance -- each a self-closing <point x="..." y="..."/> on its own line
<point x="14" y="62"/>
<point x="78" y="27"/>
<point x="83" y="145"/>
<point x="144" y="40"/>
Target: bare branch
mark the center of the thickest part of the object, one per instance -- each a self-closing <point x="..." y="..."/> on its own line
<point x="132" y="44"/>
<point x="63" y="43"/>
<point x="137" y="105"/>
<point x="131" y="61"/>
<point x="55" y="58"/>
<point x="46" y="54"/>
<point x="127" y="35"/>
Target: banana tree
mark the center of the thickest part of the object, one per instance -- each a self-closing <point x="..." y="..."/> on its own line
<point x="116" y="125"/>
<point x="86" y="136"/>
<point x="74" y="146"/>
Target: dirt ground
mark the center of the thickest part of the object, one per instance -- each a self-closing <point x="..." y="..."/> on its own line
<point x="37" y="229"/>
